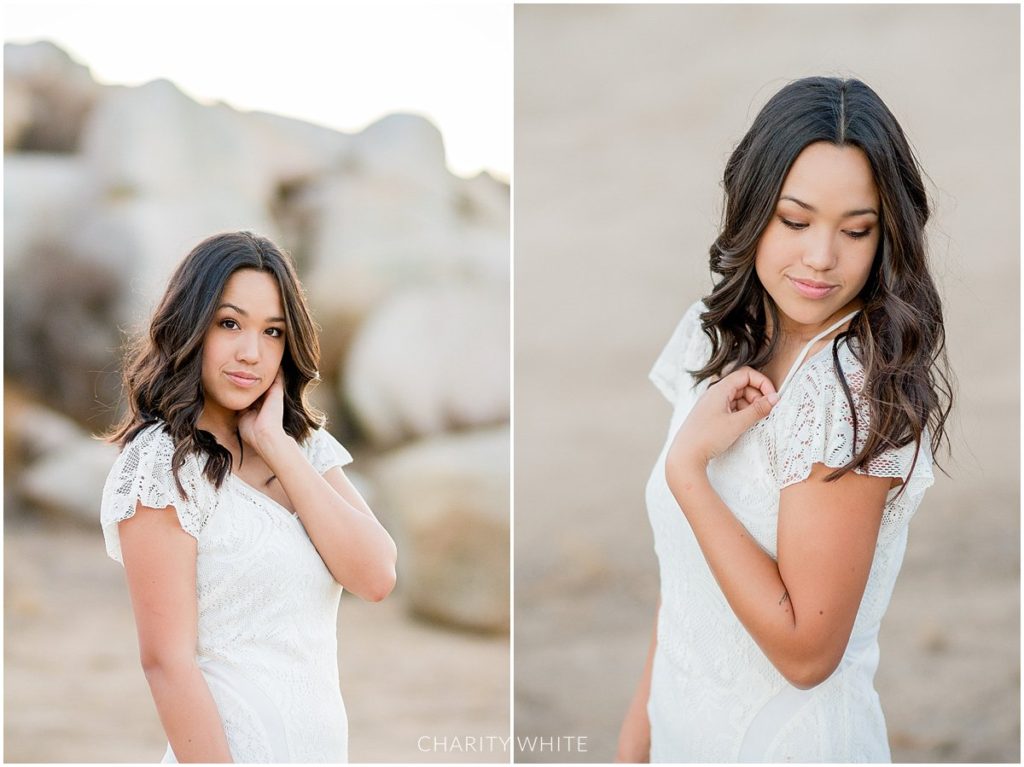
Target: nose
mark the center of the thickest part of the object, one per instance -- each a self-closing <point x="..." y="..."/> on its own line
<point x="248" y="349"/>
<point x="820" y="252"/>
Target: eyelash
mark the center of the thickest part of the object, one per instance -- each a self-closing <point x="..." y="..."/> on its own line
<point x="278" y="332"/>
<point x="799" y="227"/>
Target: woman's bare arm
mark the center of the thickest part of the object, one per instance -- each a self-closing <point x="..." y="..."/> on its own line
<point x="635" y="734"/>
<point x="800" y="609"/>
<point x="353" y="544"/>
<point x="160" y="565"/>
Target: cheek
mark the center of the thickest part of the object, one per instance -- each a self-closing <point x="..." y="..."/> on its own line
<point x="212" y="353"/>
<point x="766" y="259"/>
<point x="861" y="266"/>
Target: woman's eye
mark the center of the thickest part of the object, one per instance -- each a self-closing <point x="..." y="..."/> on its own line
<point x="858" y="235"/>
<point x="229" y="324"/>
<point x="275" y="332"/>
<point x="792" y="224"/>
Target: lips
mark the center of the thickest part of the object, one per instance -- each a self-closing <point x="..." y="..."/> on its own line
<point x="244" y="380"/>
<point x="812" y="288"/>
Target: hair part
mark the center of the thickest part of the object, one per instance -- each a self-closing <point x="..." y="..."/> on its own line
<point x="899" y="335"/>
<point x="162" y="378"/>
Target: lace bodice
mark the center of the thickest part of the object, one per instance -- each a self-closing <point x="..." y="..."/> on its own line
<point x="267" y="605"/>
<point x="747" y="711"/>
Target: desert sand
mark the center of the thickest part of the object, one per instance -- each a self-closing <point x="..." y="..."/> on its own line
<point x="74" y="690"/>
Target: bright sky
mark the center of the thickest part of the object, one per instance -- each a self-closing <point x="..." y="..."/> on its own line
<point x="336" y="64"/>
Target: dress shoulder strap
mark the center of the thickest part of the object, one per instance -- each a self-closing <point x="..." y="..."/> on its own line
<point x="807" y="347"/>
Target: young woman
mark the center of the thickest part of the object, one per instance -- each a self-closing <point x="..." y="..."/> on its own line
<point x="809" y="391"/>
<point x="231" y="514"/>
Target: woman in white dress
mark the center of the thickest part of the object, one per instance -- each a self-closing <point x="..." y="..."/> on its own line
<point x="809" y="391"/>
<point x="232" y="517"/>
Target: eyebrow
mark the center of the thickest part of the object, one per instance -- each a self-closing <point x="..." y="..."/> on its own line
<point x="244" y="313"/>
<point x="848" y="214"/>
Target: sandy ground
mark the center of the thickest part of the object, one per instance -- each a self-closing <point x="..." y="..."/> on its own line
<point x="74" y="691"/>
<point x="625" y="117"/>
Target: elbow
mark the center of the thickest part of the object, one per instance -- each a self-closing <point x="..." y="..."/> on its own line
<point x="381" y="585"/>
<point x="808" y="673"/>
<point x="375" y="578"/>
<point x="384" y="581"/>
<point x="161" y="665"/>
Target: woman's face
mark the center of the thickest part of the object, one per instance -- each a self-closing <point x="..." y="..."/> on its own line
<point x="815" y="255"/>
<point x="244" y="345"/>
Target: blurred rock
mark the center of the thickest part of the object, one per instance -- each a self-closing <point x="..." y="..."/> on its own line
<point x="155" y="140"/>
<point x="394" y="216"/>
<point x="32" y="430"/>
<point x="402" y="146"/>
<point x="93" y="237"/>
<point x="69" y="480"/>
<point x="60" y="324"/>
<point x="295" y="154"/>
<point x="170" y="172"/>
<point x="431" y="359"/>
<point x="483" y="206"/>
<point x="484" y="201"/>
<point x="47" y="96"/>
<point x="449" y="496"/>
<point x="46" y="199"/>
<point x="17" y="114"/>
<point x="291" y="151"/>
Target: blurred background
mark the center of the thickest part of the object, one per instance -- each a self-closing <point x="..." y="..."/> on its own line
<point x="374" y="144"/>
<point x="624" y="119"/>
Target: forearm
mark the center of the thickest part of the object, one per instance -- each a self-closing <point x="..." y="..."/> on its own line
<point x="635" y="734"/>
<point x="188" y="713"/>
<point x="355" y="547"/>
<point x="748" y="576"/>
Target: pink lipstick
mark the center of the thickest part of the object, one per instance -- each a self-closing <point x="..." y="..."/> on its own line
<point x="811" y="289"/>
<point x="242" y="379"/>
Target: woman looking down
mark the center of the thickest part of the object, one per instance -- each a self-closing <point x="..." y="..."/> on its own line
<point x="809" y="392"/>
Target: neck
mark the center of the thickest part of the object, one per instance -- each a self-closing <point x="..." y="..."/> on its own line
<point x="222" y="424"/>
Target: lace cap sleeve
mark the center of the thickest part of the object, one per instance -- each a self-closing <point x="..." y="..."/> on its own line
<point x="142" y="473"/>
<point x="686" y="350"/>
<point x="815" y="425"/>
<point x="324" y="451"/>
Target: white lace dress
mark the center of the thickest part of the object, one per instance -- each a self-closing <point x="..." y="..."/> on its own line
<point x="268" y="605"/>
<point x="715" y="697"/>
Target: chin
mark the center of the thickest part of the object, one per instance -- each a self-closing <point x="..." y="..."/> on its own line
<point x="236" y="402"/>
<point x="808" y="312"/>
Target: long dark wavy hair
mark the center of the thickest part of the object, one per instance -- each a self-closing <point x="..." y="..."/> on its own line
<point x="162" y="379"/>
<point x="899" y="334"/>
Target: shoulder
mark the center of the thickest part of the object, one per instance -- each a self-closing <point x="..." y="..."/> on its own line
<point x="148" y="448"/>
<point x="826" y="418"/>
<point x="833" y="369"/>
<point x="143" y="475"/>
<point x="150" y="453"/>
<point x="816" y="398"/>
<point x="688" y="348"/>
<point x="324" y="451"/>
<point x="688" y="330"/>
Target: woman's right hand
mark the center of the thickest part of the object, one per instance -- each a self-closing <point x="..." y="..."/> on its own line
<point x="721" y="414"/>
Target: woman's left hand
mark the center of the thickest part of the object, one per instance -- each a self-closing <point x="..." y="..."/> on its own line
<point x="722" y="413"/>
<point x="263" y="422"/>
